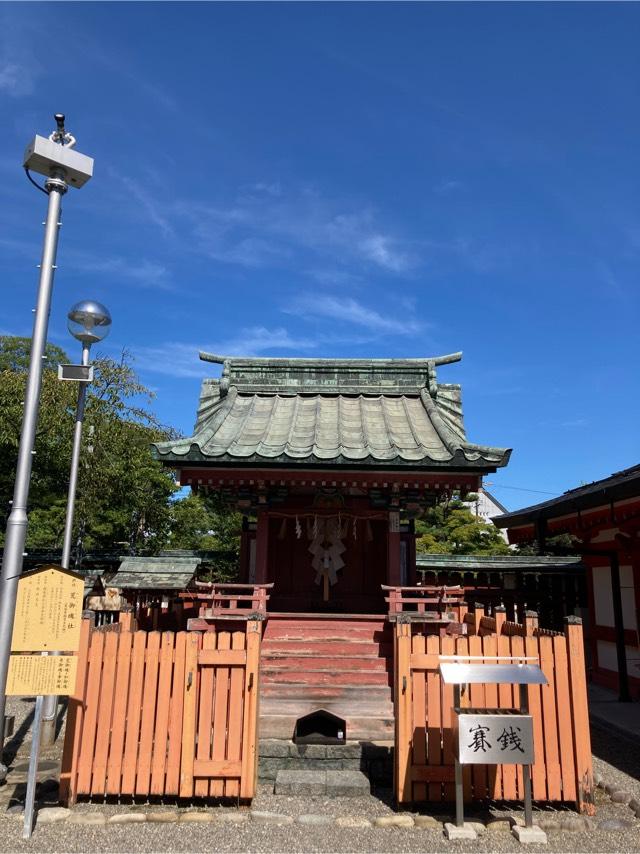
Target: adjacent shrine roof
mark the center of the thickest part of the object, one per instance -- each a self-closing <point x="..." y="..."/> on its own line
<point x="496" y="563"/>
<point x="368" y="412"/>
<point x="617" y="487"/>
<point x="153" y="573"/>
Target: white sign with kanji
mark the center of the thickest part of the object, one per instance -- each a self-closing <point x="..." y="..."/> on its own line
<point x="491" y="739"/>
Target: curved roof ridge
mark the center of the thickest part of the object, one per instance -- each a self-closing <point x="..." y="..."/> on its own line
<point x="246" y="361"/>
<point x="220" y="411"/>
<point x="445" y="435"/>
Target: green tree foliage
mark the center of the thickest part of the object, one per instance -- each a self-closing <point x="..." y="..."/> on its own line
<point x="193" y="525"/>
<point x="206" y="523"/>
<point x="53" y="434"/>
<point x="451" y="528"/>
<point x="123" y="494"/>
<point x="562" y="544"/>
<point x="15" y="353"/>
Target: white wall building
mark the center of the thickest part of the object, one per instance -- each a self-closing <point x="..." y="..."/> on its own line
<point x="485" y="506"/>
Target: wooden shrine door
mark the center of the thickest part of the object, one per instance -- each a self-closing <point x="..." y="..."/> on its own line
<point x="354" y="588"/>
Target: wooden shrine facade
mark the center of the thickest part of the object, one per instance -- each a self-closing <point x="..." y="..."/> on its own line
<point x="329" y="461"/>
<point x="371" y="516"/>
<point x="603" y="519"/>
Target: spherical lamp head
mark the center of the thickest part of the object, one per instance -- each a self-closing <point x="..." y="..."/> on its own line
<point x="89" y="321"/>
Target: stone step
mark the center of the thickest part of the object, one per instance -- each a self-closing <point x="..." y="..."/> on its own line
<point x="381" y="706"/>
<point x="312" y="661"/>
<point x="313" y="646"/>
<point x="329" y="631"/>
<point x="332" y="784"/>
<point x="323" y="676"/>
<point x="333" y="640"/>
<point x="302" y="690"/>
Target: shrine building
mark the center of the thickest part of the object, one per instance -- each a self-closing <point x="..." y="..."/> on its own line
<point x="329" y="461"/>
<point x="325" y="639"/>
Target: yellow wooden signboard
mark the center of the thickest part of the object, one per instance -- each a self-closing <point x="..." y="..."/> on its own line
<point x="42" y="674"/>
<point x="48" y="612"/>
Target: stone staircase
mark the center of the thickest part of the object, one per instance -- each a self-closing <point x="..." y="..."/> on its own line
<point x="340" y="663"/>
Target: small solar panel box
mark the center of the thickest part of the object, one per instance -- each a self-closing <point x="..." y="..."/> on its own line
<point x="76" y="373"/>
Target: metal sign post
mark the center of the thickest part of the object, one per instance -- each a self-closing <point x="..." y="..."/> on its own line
<point x="491" y="736"/>
<point x="29" y="801"/>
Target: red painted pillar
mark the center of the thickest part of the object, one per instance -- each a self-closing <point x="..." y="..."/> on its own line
<point x="262" y="546"/>
<point x="393" y="549"/>
<point x="411" y="553"/>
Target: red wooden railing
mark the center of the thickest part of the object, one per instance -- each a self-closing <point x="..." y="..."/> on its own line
<point x="221" y="599"/>
<point x="435" y="602"/>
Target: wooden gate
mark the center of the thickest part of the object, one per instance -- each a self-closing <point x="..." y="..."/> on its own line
<point x="424" y="759"/>
<point x="163" y="714"/>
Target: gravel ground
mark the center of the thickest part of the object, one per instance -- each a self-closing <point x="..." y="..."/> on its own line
<point x="252" y="837"/>
<point x="621" y="767"/>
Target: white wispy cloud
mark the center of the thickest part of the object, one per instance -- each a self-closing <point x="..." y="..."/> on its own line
<point x="350" y="311"/>
<point x="608" y="278"/>
<point x="150" y="205"/>
<point x="20" y="67"/>
<point x="574" y="422"/>
<point x="144" y="273"/>
<point x="16" y="79"/>
<point x="269" y="225"/>
<point x="333" y="276"/>
<point x="480" y="255"/>
<point x="448" y="186"/>
<point x="119" y="64"/>
<point x="383" y="251"/>
<point x="180" y="359"/>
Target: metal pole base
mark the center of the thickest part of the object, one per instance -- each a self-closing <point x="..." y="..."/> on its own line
<point x="48" y="732"/>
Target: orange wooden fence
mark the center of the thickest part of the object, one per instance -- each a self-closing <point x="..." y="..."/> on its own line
<point x="424" y="758"/>
<point x="163" y="714"/>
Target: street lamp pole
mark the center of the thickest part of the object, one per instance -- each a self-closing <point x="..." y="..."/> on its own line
<point x="75" y="462"/>
<point x="59" y="165"/>
<point x="89" y="322"/>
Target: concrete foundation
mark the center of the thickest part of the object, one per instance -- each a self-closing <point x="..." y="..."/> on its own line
<point x="452" y="831"/>
<point x="526" y="835"/>
<point x="373" y="759"/>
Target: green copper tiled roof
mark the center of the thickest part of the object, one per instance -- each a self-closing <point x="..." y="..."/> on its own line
<point x="354" y="411"/>
<point x="153" y="573"/>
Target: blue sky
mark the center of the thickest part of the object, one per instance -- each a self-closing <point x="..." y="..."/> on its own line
<point x="359" y="180"/>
